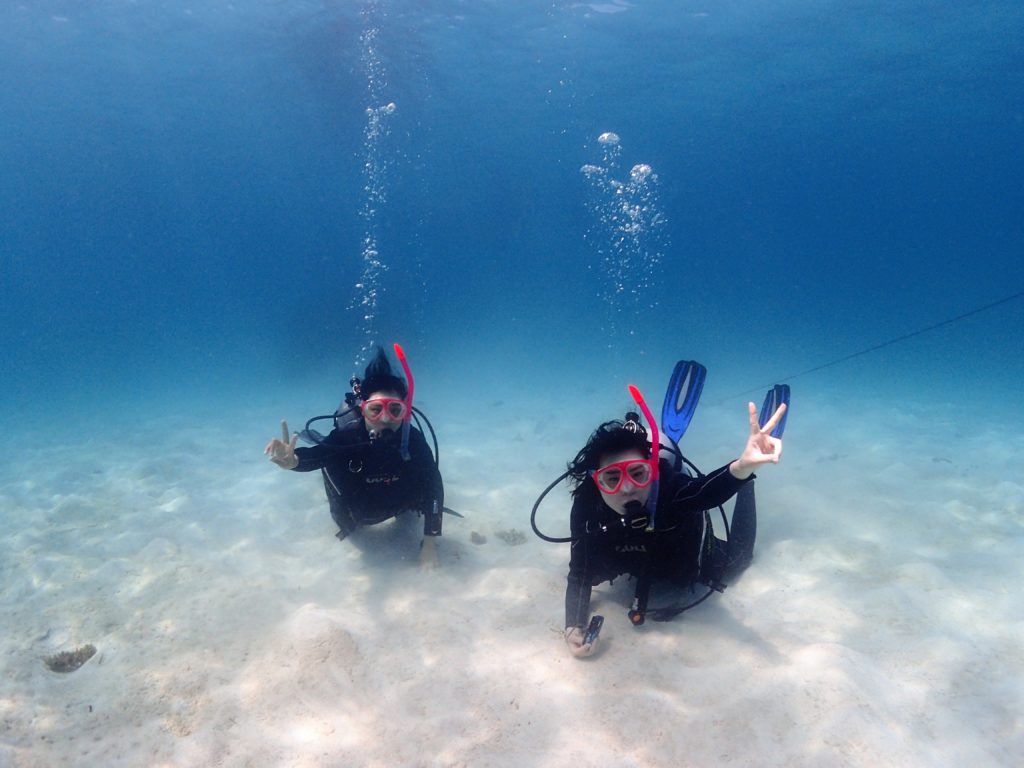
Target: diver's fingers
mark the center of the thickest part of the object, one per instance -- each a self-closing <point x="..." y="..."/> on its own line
<point x="295" y="440"/>
<point x="284" y="431"/>
<point x="770" y="425"/>
<point x="752" y="412"/>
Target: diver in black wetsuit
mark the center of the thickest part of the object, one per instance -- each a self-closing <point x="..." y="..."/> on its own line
<point x="611" y="518"/>
<point x="375" y="464"/>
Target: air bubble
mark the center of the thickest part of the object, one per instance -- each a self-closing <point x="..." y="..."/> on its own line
<point x="641" y="172"/>
<point x="626" y="234"/>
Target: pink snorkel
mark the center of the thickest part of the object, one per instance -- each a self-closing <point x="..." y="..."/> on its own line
<point x="400" y="354"/>
<point x="652" y="500"/>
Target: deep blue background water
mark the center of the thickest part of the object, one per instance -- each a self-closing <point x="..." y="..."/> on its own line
<point x="181" y="190"/>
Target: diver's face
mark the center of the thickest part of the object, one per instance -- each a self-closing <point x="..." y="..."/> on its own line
<point x="628" y="491"/>
<point x="381" y="412"/>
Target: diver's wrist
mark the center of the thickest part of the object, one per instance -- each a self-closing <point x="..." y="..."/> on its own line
<point x="740" y="469"/>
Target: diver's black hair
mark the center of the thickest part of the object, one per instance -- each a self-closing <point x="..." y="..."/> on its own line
<point x="611" y="437"/>
<point x="378" y="377"/>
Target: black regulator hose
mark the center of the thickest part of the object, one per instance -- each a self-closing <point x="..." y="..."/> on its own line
<point x="536" y="504"/>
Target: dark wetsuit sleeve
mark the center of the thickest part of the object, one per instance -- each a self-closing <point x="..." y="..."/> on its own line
<point x="339" y="442"/>
<point x="578" y="584"/>
<point x="430" y="479"/>
<point x="708" y="492"/>
<point x="311" y="458"/>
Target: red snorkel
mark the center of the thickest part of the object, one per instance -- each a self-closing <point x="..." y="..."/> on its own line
<point x="400" y="354"/>
<point x="652" y="500"/>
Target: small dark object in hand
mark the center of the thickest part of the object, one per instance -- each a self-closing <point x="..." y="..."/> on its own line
<point x="69" y="661"/>
<point x="593" y="630"/>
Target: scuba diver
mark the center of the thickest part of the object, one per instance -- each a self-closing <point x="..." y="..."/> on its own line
<point x="640" y="512"/>
<point x="375" y="464"/>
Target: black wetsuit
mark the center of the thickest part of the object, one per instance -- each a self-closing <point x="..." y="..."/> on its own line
<point x="681" y="549"/>
<point x="369" y="482"/>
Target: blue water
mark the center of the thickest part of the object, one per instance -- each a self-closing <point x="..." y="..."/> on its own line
<point x="185" y="204"/>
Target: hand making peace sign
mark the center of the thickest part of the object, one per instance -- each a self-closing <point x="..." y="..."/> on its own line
<point x="282" y="452"/>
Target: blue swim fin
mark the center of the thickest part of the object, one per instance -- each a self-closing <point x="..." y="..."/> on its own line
<point x="681" y="398"/>
<point x="776" y="396"/>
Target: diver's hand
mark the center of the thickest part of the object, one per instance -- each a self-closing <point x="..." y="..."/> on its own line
<point x="574" y="639"/>
<point x="761" y="447"/>
<point x="428" y="553"/>
<point x="282" y="452"/>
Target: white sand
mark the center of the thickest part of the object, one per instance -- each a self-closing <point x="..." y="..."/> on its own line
<point x="880" y="624"/>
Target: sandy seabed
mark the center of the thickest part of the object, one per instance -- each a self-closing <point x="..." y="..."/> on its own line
<point x="880" y="624"/>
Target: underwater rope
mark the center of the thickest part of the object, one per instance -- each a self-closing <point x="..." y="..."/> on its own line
<point x="890" y="342"/>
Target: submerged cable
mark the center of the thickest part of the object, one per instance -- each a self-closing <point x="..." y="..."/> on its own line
<point x="890" y="342"/>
